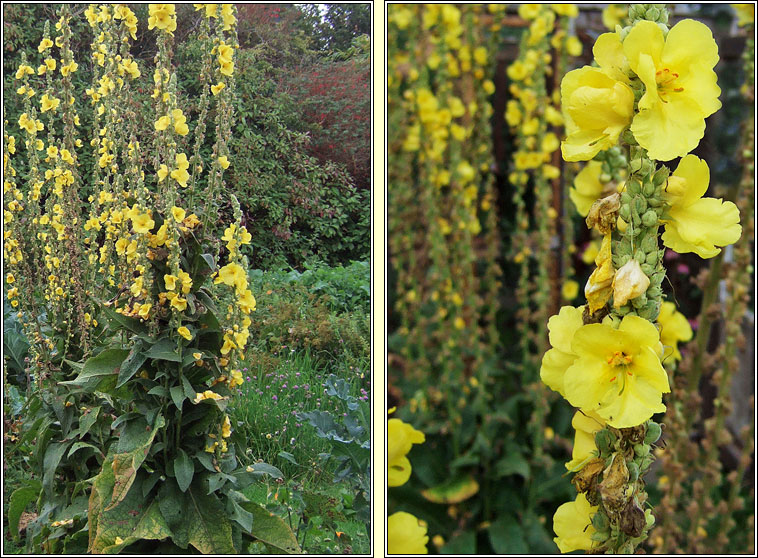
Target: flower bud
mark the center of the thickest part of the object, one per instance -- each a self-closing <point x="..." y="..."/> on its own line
<point x="641" y="450"/>
<point x="600" y="522"/>
<point x="648" y="244"/>
<point x="626" y="199"/>
<point x="652" y="257"/>
<point x="650" y="218"/>
<point x="640" y="204"/>
<point x="629" y="283"/>
<point x="652" y="14"/>
<point x="660" y="176"/>
<point x="640" y="256"/>
<point x="633" y="187"/>
<point x="648" y="188"/>
<point x="647" y="269"/>
<point x="604" y="440"/>
<point x="640" y="301"/>
<point x="624" y="212"/>
<point x="634" y="471"/>
<point x="649" y="518"/>
<point x="652" y="433"/>
<point x="654" y="292"/>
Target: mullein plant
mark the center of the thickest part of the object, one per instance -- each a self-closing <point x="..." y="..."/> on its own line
<point x="652" y="89"/>
<point x="405" y="533"/>
<point x="687" y="519"/>
<point x="441" y="206"/>
<point x="168" y="324"/>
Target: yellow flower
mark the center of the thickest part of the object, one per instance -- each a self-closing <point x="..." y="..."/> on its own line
<point x="186" y="281"/>
<point x="142" y="223"/>
<point x="400" y="438"/>
<point x="184" y="332"/>
<point x="629" y="282"/>
<point x="233" y="275"/>
<point x="745" y="13"/>
<point x="162" y="16"/>
<point x="162" y="123"/>
<point x="569" y="290"/>
<point x="224" y="162"/>
<point x="216" y="89"/>
<point x="49" y="103"/>
<point x="247" y="302"/>
<point x="227" y="15"/>
<point x="674" y="328"/>
<point x="226" y="428"/>
<point x="618" y="372"/>
<point x="572" y="524"/>
<point x="179" y="303"/>
<point x="29" y="124"/>
<point x="568" y="10"/>
<point x="180" y="122"/>
<point x="587" y="187"/>
<point x="680" y="85"/>
<point x="44" y="45"/>
<point x="162" y="173"/>
<point x="170" y="281"/>
<point x="555" y="362"/>
<point x="178" y="214"/>
<point x="599" y="286"/>
<point x="613" y="15"/>
<point x="697" y="224"/>
<point x="529" y="11"/>
<point x="585" y="424"/>
<point x="597" y="108"/>
<point x="405" y="534"/>
<point x="180" y="174"/>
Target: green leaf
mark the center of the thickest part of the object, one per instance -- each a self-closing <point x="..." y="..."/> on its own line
<point x="288" y="456"/>
<point x="209" y="528"/>
<point x="125" y="465"/>
<point x="464" y="543"/>
<point x="513" y="463"/>
<point x="241" y="516"/>
<point x="507" y="536"/>
<point x="104" y="364"/>
<point x="131" y="365"/>
<point x="79" y="445"/>
<point x="265" y="468"/>
<point x="184" y="469"/>
<point x="205" y="460"/>
<point x="452" y="491"/>
<point x="53" y="456"/>
<point x="165" y="349"/>
<point x="18" y="502"/>
<point x="177" y="395"/>
<point x="132" y="324"/>
<point x="270" y="529"/>
<point x="130" y="520"/>
<point x="86" y="421"/>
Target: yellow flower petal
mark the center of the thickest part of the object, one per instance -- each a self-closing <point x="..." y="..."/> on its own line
<point x="405" y="535"/>
<point x="572" y="524"/>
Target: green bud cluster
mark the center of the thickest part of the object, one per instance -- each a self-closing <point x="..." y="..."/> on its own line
<point x="619" y="491"/>
<point x="613" y="162"/>
<point x="642" y="208"/>
<point x="657" y="13"/>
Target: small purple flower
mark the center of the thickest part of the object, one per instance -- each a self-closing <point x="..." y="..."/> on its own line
<point x="297" y="374"/>
<point x="295" y="386"/>
<point x="274" y="397"/>
<point x="683" y="268"/>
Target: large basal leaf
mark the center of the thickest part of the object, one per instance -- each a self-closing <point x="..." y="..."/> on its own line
<point x="125" y="465"/>
<point x="18" y="502"/>
<point x="118" y="526"/>
<point x="270" y="529"/>
<point x="165" y="349"/>
<point x="209" y="528"/>
<point x="452" y="491"/>
<point x="106" y="363"/>
<point x="53" y="455"/>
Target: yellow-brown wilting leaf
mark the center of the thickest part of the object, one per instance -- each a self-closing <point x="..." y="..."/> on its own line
<point x="452" y="491"/>
<point x="603" y="213"/>
<point x="628" y="283"/>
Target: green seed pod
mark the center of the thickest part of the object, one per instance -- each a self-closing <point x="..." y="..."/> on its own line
<point x="640" y="204"/>
<point x="624" y="212"/>
<point x="640" y="301"/>
<point x="652" y="14"/>
<point x="641" y="450"/>
<point x="647" y="166"/>
<point x="657" y="278"/>
<point x="648" y="244"/>
<point x="633" y="187"/>
<point x="652" y="258"/>
<point x="647" y="269"/>
<point x="660" y="176"/>
<point x="648" y="189"/>
<point x="640" y="256"/>
<point x="623" y="310"/>
<point x="655" y="201"/>
<point x="654" y="292"/>
<point x="652" y="433"/>
<point x="652" y="309"/>
<point x="636" y="221"/>
<point x="600" y="522"/>
<point x="604" y="440"/>
<point x="599" y="536"/>
<point x="634" y="471"/>
<point x="650" y="218"/>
